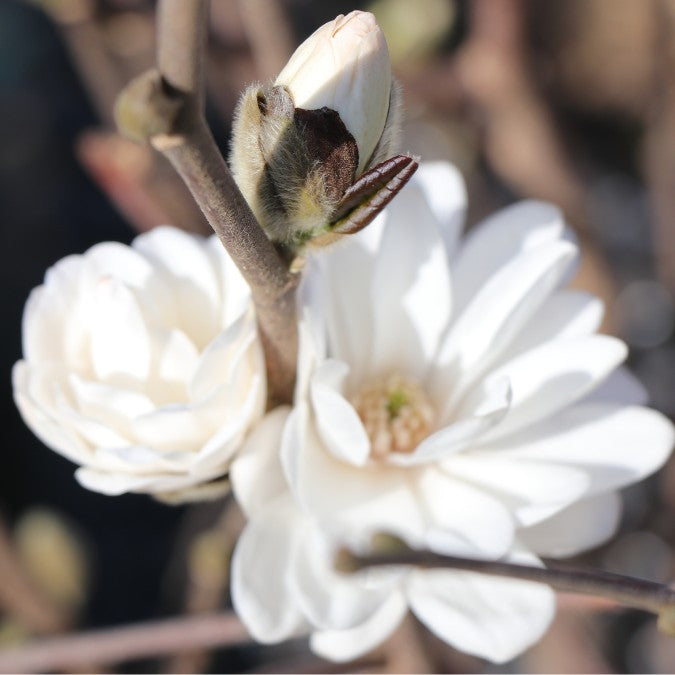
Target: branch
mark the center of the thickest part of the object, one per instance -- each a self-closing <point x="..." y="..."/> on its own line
<point x="113" y="645"/>
<point x="166" y="108"/>
<point x="628" y="591"/>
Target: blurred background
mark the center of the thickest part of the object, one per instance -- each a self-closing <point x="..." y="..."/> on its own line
<point x="572" y="102"/>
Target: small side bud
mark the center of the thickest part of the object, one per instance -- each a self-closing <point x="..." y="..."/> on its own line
<point x="344" y="66"/>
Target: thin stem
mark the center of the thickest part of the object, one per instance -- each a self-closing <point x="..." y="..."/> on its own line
<point x="166" y="107"/>
<point x="637" y="593"/>
<point x="114" y="645"/>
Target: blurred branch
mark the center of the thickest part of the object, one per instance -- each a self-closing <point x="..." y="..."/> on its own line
<point x="19" y="597"/>
<point x="114" y="645"/>
<point x="628" y="591"/>
<point x="659" y="153"/>
<point x="85" y="43"/>
<point x="271" y="47"/>
<point x="166" y="107"/>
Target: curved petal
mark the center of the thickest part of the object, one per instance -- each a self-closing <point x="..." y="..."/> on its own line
<point x="328" y="599"/>
<point x="256" y="474"/>
<point x="120" y="343"/>
<point x="481" y="415"/>
<point x="613" y="444"/>
<point x="373" y="496"/>
<point x="532" y="490"/>
<point x="234" y="290"/>
<point x="445" y="192"/>
<point x="557" y="374"/>
<point x="340" y="282"/>
<point x="337" y="423"/>
<point x="50" y="329"/>
<point x="344" y="645"/>
<point x="197" y="294"/>
<point x="114" y="484"/>
<point x="582" y="525"/>
<point x="260" y="568"/>
<point x="621" y="386"/>
<point x="408" y="319"/>
<point x="566" y="314"/>
<point x="43" y="424"/>
<point x="500" y="238"/>
<point x="472" y="514"/>
<point x="497" y="313"/>
<point x="489" y="617"/>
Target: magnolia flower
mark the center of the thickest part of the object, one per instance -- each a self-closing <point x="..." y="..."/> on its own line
<point x="142" y="364"/>
<point x="452" y="392"/>
<point x="344" y="66"/>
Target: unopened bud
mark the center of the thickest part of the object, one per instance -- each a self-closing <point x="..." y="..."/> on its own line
<point x="344" y="66"/>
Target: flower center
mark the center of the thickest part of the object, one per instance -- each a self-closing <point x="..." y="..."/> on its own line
<point x="396" y="413"/>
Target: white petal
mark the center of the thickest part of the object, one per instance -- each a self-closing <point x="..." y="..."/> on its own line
<point x="48" y="331"/>
<point x="141" y="461"/>
<point x="114" y="484"/>
<point x="344" y="645"/>
<point x="480" y="416"/>
<point x="120" y="345"/>
<point x="445" y="192"/>
<point x="489" y="617"/>
<point x="338" y="424"/>
<point x="553" y="376"/>
<point x="42" y="420"/>
<point x="194" y="283"/>
<point x="233" y="289"/>
<point x="171" y="427"/>
<point x="620" y="387"/>
<point x="114" y="406"/>
<point x="500" y="238"/>
<point x="256" y="473"/>
<point x="613" y="444"/>
<point x="260" y="568"/>
<point x="373" y="496"/>
<point x="566" y="314"/>
<point x="224" y="354"/>
<point x="328" y="599"/>
<point x="177" y="357"/>
<point x="340" y="282"/>
<point x="583" y="525"/>
<point x="497" y="313"/>
<point x="408" y="319"/>
<point x="472" y="514"/>
<point x="531" y="489"/>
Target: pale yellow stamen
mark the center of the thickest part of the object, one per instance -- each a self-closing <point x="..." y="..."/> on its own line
<point x="396" y="413"/>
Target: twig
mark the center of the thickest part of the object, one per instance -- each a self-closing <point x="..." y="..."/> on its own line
<point x="166" y="107"/>
<point x="113" y="645"/>
<point x="629" y="591"/>
<point x="18" y="596"/>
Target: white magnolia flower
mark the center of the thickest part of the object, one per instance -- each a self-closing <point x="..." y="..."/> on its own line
<point x="142" y="364"/>
<point x="344" y="66"/>
<point x="456" y="394"/>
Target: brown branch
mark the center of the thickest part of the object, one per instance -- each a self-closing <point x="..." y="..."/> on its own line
<point x="166" y="107"/>
<point x="628" y="591"/>
<point x="114" y="645"/>
<point x="20" y="598"/>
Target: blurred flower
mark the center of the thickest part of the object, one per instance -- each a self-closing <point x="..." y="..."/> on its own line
<point x="142" y="364"/>
<point x="457" y="395"/>
<point x="344" y="66"/>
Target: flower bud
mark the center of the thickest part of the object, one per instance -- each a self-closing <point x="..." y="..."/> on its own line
<point x="344" y="66"/>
